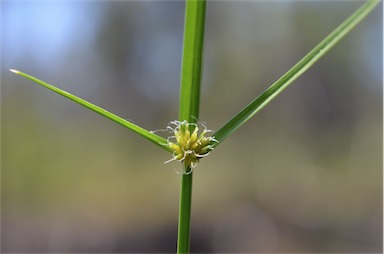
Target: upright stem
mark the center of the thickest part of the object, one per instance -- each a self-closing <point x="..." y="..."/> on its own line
<point x="189" y="104"/>
<point x="192" y="60"/>
<point x="183" y="237"/>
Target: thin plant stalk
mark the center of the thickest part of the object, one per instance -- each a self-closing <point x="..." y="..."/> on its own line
<point x="189" y="105"/>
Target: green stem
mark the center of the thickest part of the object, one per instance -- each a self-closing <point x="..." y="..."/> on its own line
<point x="189" y="104"/>
<point x="183" y="236"/>
<point x="192" y="60"/>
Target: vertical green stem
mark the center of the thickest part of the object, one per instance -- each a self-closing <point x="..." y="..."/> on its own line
<point x="183" y="237"/>
<point x="189" y="104"/>
<point x="192" y="60"/>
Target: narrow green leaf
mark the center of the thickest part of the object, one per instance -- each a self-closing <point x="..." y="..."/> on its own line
<point x="297" y="70"/>
<point x="142" y="132"/>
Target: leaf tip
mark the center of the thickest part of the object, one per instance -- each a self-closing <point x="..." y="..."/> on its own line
<point x="14" y="71"/>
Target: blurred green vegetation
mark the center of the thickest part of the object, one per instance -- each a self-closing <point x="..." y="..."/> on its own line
<point x="305" y="175"/>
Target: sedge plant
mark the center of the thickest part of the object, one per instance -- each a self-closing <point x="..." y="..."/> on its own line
<point x="189" y="142"/>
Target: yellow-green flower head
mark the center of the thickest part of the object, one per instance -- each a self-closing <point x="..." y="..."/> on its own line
<point x="187" y="144"/>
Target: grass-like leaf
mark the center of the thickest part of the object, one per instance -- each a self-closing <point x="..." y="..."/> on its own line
<point x="133" y="127"/>
<point x="315" y="54"/>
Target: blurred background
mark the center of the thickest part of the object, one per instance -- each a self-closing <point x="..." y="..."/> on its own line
<point x="303" y="176"/>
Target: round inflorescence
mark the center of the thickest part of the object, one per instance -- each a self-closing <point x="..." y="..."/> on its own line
<point x="187" y="144"/>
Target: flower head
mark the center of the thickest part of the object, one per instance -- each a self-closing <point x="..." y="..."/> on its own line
<point x="188" y="145"/>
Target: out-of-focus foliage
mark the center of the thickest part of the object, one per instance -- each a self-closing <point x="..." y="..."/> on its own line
<point x="75" y="182"/>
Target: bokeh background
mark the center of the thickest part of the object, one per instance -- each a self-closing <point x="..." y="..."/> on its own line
<point x="304" y="175"/>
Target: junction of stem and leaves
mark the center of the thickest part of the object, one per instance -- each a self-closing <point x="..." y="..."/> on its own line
<point x="188" y="145"/>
